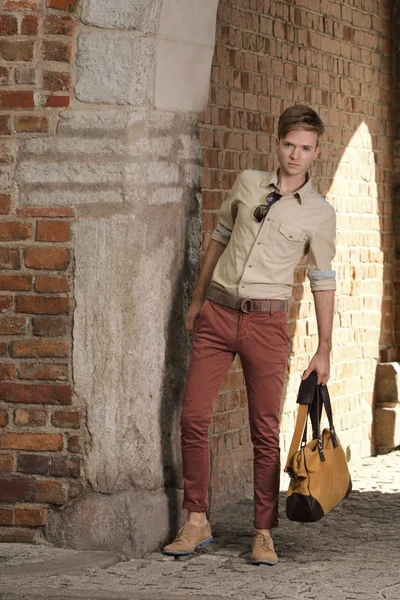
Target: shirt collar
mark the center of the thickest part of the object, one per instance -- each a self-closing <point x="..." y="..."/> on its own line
<point x="271" y="179"/>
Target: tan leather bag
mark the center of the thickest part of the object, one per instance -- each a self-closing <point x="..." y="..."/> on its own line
<point x="319" y="475"/>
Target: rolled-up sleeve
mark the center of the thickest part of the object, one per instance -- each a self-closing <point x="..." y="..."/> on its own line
<point x="320" y="256"/>
<point x="227" y="214"/>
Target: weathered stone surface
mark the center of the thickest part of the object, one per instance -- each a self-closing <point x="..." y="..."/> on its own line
<point x="387" y="428"/>
<point x="124" y="520"/>
<point x="103" y="156"/>
<point x="122" y="14"/>
<point x="123" y="262"/>
<point x="387" y="384"/>
<point x="115" y="68"/>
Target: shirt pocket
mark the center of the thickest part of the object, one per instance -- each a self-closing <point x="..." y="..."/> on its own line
<point x="292" y="234"/>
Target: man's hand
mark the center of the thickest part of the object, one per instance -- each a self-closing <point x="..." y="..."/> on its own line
<point x="191" y="315"/>
<point x="321" y="364"/>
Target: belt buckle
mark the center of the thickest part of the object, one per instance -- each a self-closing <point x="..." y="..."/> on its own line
<point x="242" y="307"/>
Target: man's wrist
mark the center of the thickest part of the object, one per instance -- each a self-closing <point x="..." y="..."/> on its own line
<point x="324" y="347"/>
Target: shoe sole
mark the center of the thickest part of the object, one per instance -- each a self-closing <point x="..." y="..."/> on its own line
<point x="264" y="562"/>
<point x="172" y="553"/>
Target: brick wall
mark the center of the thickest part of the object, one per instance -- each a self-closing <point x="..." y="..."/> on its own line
<point x="40" y="448"/>
<point x="396" y="165"/>
<point x="334" y="56"/>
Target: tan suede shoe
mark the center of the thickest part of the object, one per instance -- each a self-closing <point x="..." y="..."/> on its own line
<point x="188" y="539"/>
<point x="263" y="552"/>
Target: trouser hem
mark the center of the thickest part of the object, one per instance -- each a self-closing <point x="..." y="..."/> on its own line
<point x="191" y="507"/>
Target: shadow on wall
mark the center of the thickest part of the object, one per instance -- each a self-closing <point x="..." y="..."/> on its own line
<point x="176" y="363"/>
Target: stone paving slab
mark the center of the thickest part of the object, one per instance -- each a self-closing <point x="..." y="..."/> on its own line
<point x="351" y="554"/>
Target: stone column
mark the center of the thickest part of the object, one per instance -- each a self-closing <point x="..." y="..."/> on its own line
<point x="127" y="156"/>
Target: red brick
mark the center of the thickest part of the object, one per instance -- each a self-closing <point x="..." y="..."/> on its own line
<point x="3" y="417"/>
<point x="14" y="230"/>
<point x="30" y="517"/>
<point x="12" y="325"/>
<point x="43" y="211"/>
<point x="49" y="326"/>
<point x="68" y="419"/>
<point x="3" y="349"/>
<point x="21" y="50"/>
<point x="74" y="444"/>
<point x="47" y="258"/>
<point x="29" y="25"/>
<point x="15" y="282"/>
<point x="56" y="82"/>
<point x="20" y="4"/>
<point x="29" y="416"/>
<point x="42" y="305"/>
<point x="34" y="464"/>
<point x="5" y="75"/>
<point x="65" y="466"/>
<point x="40" y="442"/>
<point x="7" y="462"/>
<point x="53" y="492"/>
<point x="19" y="99"/>
<point x="26" y="393"/>
<point x="7" y="371"/>
<point x="6" y="516"/>
<point x="5" y="125"/>
<point x="6" y="302"/>
<point x="31" y="123"/>
<point x="51" y="284"/>
<point x="59" y="25"/>
<point x="9" y="258"/>
<point x="16" y="488"/>
<point x="17" y="535"/>
<point x="52" y="371"/>
<point x="62" y="4"/>
<point x="39" y="348"/>
<point x="53" y="231"/>
<point x="55" y="101"/>
<point x="24" y="75"/>
<point x="56" y="51"/>
<point x="8" y="25"/>
<point x="5" y="201"/>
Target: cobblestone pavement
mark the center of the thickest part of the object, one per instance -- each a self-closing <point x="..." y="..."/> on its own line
<point x="352" y="554"/>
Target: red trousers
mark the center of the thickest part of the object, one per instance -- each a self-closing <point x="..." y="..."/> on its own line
<point x="261" y="340"/>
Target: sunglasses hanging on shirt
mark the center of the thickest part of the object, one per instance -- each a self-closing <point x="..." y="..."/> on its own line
<point x="263" y="209"/>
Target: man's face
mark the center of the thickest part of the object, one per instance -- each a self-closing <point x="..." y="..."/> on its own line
<point x="296" y="151"/>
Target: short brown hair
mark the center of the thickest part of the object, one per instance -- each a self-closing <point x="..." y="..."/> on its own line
<point x="299" y="116"/>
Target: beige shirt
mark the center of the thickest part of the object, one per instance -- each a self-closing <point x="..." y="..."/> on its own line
<point x="260" y="258"/>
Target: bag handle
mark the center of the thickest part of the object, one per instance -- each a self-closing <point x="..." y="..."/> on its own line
<point x="311" y="406"/>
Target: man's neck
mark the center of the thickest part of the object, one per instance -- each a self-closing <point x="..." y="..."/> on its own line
<point x="289" y="185"/>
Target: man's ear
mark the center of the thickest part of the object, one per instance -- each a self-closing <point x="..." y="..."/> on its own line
<point x="277" y="140"/>
<point x="317" y="151"/>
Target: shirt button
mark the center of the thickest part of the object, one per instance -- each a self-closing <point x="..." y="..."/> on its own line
<point x="258" y="243"/>
<point x="290" y="236"/>
<point x="250" y="266"/>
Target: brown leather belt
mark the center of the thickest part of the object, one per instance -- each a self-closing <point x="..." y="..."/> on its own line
<point x="246" y="305"/>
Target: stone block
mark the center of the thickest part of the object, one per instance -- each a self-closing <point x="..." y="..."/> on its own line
<point x="183" y="75"/>
<point x="387" y="384"/>
<point x="189" y="20"/>
<point x="115" y="68"/>
<point x="387" y="428"/>
<point x="124" y="519"/>
<point x="122" y="14"/>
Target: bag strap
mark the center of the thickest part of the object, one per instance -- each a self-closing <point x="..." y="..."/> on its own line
<point x="323" y="390"/>
<point x="301" y="420"/>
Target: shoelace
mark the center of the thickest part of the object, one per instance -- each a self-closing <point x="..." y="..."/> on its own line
<point x="182" y="535"/>
<point x="263" y="540"/>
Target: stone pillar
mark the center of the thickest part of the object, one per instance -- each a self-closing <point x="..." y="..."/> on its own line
<point x="127" y="156"/>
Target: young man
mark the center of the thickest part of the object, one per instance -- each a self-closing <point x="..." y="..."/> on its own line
<point x="267" y="224"/>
